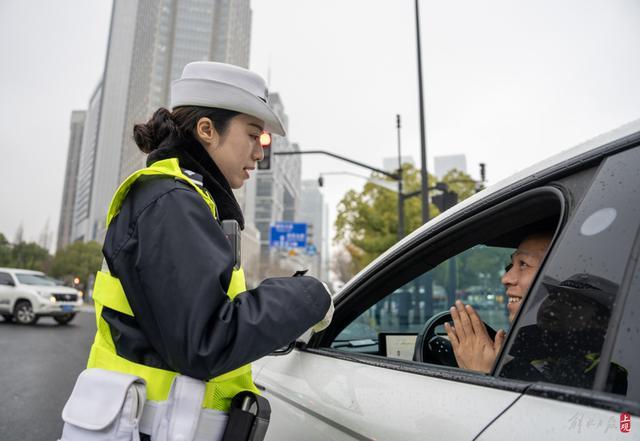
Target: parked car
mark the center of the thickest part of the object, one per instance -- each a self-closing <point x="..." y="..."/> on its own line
<point x="383" y="372"/>
<point x="26" y="295"/>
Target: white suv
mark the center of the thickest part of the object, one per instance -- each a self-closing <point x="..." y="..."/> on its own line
<point x="28" y="295"/>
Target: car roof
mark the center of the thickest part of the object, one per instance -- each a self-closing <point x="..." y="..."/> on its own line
<point x="22" y="271"/>
<point x="563" y="161"/>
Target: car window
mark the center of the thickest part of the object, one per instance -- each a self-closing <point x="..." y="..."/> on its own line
<point x="561" y="331"/>
<point x="5" y="279"/>
<point x="35" y="279"/>
<point x="389" y="328"/>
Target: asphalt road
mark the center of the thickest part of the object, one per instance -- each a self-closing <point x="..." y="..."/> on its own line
<point x="38" y="368"/>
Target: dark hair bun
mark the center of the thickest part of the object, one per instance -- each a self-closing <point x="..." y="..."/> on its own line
<point x="149" y="136"/>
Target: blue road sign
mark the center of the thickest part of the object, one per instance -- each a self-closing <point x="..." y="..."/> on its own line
<point x="311" y="250"/>
<point x="288" y="235"/>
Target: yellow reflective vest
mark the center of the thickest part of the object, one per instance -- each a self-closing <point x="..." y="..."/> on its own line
<point x="108" y="292"/>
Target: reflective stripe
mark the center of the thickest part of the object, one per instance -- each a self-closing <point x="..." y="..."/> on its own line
<point x="108" y="291"/>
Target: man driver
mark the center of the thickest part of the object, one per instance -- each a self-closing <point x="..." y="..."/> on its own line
<point x="472" y="346"/>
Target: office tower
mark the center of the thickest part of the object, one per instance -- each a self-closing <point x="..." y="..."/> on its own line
<point x="444" y="164"/>
<point x="81" y="229"/>
<point x="70" y="178"/>
<point x="150" y="42"/>
<point x="314" y="212"/>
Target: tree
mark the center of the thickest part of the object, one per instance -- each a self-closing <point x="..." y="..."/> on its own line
<point x="367" y="221"/>
<point x="78" y="259"/>
<point x="30" y="256"/>
<point x="460" y="183"/>
<point x="23" y="255"/>
<point x="19" y="234"/>
<point x="5" y="251"/>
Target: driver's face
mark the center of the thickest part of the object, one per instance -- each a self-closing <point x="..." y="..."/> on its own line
<point x="525" y="263"/>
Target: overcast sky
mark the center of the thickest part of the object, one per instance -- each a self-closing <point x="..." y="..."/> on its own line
<point x="507" y="83"/>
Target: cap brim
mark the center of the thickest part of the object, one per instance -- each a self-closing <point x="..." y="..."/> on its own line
<point x="216" y="94"/>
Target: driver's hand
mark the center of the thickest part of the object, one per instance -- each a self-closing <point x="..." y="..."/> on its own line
<point x="472" y="346"/>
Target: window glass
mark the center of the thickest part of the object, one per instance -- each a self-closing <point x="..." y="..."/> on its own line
<point x="5" y="279"/>
<point x="624" y="370"/>
<point x="563" y="326"/>
<point x="390" y="327"/>
<point x="35" y="279"/>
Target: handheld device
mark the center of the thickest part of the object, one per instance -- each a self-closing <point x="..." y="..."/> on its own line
<point x="231" y="229"/>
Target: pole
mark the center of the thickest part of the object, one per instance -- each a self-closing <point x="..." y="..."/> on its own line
<point x="423" y="142"/>
<point x="400" y="194"/>
<point x="428" y="280"/>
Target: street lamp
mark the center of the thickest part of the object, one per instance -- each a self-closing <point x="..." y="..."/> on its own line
<point x="423" y="140"/>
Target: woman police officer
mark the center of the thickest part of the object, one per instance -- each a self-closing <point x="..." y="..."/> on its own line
<point x="173" y="300"/>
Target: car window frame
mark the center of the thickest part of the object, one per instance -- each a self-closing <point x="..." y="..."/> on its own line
<point x="417" y="246"/>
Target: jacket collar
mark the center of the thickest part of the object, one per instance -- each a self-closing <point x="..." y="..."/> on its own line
<point x="192" y="155"/>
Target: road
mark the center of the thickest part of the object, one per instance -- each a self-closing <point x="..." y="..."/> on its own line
<point x="38" y="368"/>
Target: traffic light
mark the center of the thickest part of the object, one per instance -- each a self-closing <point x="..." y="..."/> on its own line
<point x="320" y="181"/>
<point x="265" y="141"/>
<point x="483" y="175"/>
<point x="445" y="200"/>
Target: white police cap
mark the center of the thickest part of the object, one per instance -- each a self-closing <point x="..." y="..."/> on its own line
<point x="225" y="86"/>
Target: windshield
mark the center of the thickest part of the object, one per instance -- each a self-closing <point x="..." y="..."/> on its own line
<point x="36" y="279"/>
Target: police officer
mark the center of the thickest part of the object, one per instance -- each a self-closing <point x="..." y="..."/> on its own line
<point x="173" y="299"/>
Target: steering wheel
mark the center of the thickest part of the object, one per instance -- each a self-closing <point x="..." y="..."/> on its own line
<point x="436" y="348"/>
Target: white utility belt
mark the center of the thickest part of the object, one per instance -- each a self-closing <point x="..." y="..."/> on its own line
<point x="210" y="426"/>
<point x="112" y="406"/>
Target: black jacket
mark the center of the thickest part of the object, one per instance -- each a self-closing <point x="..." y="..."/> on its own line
<point x="175" y="264"/>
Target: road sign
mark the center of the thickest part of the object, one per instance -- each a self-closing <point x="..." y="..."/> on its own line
<point x="311" y="250"/>
<point x="288" y="235"/>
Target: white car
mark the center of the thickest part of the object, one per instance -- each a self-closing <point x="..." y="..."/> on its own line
<point x="27" y="295"/>
<point x="570" y="367"/>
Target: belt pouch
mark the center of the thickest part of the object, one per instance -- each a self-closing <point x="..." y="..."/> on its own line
<point x="178" y="419"/>
<point x="104" y="406"/>
<point x="248" y="418"/>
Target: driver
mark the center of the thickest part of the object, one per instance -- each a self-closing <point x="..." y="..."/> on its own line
<point x="472" y="346"/>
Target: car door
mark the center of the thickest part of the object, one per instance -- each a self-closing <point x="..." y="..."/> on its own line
<point x="7" y="292"/>
<point x="347" y="384"/>
<point x="594" y="267"/>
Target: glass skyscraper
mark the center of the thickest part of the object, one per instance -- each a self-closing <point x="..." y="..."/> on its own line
<point x="150" y="42"/>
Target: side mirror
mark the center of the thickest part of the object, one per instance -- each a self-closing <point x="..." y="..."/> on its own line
<point x="285" y="349"/>
<point x="300" y="341"/>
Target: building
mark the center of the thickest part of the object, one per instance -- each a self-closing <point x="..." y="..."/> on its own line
<point x="315" y="213"/>
<point x="444" y="164"/>
<point x="70" y="178"/>
<point x="276" y="198"/>
<point x="150" y="42"/>
<point x="81" y="228"/>
<point x="250" y="241"/>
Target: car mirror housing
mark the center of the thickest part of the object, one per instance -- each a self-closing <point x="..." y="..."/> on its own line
<point x="285" y="349"/>
<point x="300" y="341"/>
